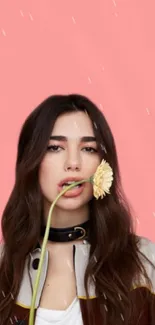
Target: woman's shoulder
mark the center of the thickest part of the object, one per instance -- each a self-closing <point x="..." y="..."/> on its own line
<point x="147" y="248"/>
<point x="147" y="256"/>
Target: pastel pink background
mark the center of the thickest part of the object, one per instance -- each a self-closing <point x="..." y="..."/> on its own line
<point x="104" y="49"/>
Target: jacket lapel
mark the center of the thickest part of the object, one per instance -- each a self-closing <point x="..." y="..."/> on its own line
<point x="28" y="281"/>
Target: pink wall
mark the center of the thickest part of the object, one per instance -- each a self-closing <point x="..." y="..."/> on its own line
<point x="104" y="49"/>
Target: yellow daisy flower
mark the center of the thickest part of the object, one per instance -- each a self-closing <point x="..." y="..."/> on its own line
<point x="102" y="180"/>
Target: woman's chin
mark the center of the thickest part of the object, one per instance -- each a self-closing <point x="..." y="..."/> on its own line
<point x="72" y="203"/>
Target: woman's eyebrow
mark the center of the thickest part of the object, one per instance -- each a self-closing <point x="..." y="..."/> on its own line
<point x="63" y="138"/>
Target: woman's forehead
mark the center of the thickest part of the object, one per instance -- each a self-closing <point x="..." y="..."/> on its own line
<point x="73" y="125"/>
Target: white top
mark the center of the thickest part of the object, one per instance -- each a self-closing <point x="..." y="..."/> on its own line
<point x="72" y="315"/>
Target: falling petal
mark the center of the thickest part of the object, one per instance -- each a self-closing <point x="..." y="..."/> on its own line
<point x="3" y="32"/>
<point x="103" y="148"/>
<point x="148" y="111"/>
<point x="69" y="265"/>
<point x="86" y="111"/>
<point x="122" y="317"/>
<point x="119" y="296"/>
<point x="73" y="19"/>
<point x="106" y="308"/>
<point x="95" y="259"/>
<point x="21" y="13"/>
<point x="95" y="125"/>
<point x="114" y="2"/>
<point x="75" y="107"/>
<point x="31" y="17"/>
<point x="137" y="220"/>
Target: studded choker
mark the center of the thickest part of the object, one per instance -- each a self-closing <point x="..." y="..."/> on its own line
<point x="67" y="234"/>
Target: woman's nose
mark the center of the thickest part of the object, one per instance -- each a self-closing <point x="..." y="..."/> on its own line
<point x="72" y="164"/>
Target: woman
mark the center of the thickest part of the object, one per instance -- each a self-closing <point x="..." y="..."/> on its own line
<point x="96" y="270"/>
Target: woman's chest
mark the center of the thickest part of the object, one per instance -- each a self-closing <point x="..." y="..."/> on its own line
<point x="64" y="280"/>
<point x="59" y="289"/>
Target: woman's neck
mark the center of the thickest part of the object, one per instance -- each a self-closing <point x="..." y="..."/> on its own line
<point x="66" y="218"/>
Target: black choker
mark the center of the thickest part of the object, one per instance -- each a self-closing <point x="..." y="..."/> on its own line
<point x="67" y="234"/>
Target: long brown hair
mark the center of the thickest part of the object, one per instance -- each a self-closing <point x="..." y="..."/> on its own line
<point x="112" y="238"/>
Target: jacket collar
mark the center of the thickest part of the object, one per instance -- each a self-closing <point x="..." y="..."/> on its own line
<point x="80" y="255"/>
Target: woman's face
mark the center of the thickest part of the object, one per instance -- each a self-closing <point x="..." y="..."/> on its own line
<point x="72" y="152"/>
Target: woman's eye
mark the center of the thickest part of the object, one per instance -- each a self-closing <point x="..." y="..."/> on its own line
<point x="53" y="148"/>
<point x="90" y="149"/>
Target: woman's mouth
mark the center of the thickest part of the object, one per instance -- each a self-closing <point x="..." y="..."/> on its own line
<point x="73" y="192"/>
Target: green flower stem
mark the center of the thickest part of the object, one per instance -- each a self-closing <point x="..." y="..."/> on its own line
<point x="31" y="317"/>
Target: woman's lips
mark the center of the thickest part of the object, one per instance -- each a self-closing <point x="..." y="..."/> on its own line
<point x="70" y="179"/>
<point x="76" y="191"/>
